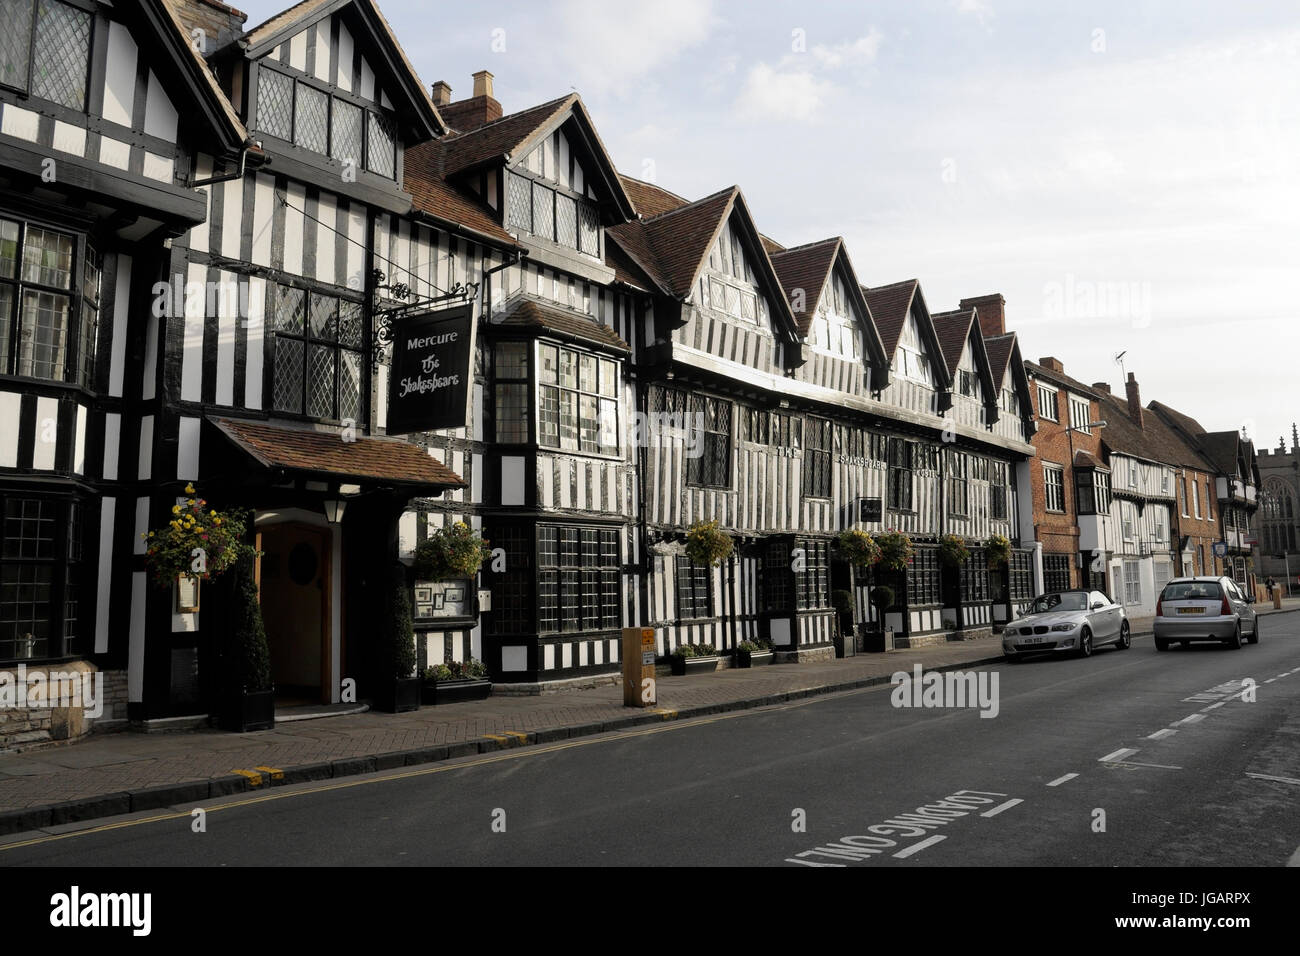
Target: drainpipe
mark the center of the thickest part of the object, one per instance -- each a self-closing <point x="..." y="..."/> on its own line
<point x="226" y="177"/>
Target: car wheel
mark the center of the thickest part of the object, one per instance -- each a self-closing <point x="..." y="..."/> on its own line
<point x="1085" y="643"/>
<point x="1162" y="645"/>
<point x="1125" y="639"/>
<point x="1254" y="632"/>
<point x="1235" y="641"/>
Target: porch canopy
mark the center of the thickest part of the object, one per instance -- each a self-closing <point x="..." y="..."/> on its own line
<point x="289" y="451"/>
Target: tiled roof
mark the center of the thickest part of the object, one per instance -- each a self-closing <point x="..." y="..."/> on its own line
<point x="649" y="199"/>
<point x="285" y="18"/>
<point x="325" y="452"/>
<point x="1217" y="450"/>
<point x="771" y="245"/>
<point x="627" y="269"/>
<point x="1060" y="378"/>
<point x="681" y="238"/>
<point x="218" y="94"/>
<point x="1083" y="459"/>
<point x="527" y="312"/>
<point x="889" y="306"/>
<point x="953" y="330"/>
<point x="806" y="268"/>
<point x="436" y="197"/>
<point x="508" y="135"/>
<point x="1154" y="441"/>
<point x="1000" y="348"/>
<point x="632" y="239"/>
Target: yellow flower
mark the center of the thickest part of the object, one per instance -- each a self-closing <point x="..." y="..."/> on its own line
<point x="189" y="488"/>
<point x="216" y="521"/>
<point x="199" y="529"/>
<point x="151" y="534"/>
<point x="176" y="509"/>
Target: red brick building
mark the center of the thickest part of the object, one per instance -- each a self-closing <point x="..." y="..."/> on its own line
<point x="1068" y="473"/>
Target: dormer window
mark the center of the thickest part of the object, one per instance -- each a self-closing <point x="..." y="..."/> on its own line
<point x="913" y="363"/>
<point x="551" y="213"/>
<point x="834" y="329"/>
<point x="314" y="120"/>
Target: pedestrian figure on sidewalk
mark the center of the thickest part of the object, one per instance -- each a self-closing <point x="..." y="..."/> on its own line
<point x="1270" y="584"/>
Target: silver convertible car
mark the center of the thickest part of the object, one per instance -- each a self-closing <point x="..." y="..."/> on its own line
<point x="1067" y="622"/>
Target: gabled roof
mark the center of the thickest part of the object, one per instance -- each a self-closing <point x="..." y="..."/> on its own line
<point x="809" y="267"/>
<point x="771" y="245"/>
<point x="435" y="198"/>
<point x="526" y="311"/>
<point x="953" y="330"/>
<point x="514" y="136"/>
<point x="890" y="307"/>
<point x="999" y="348"/>
<point x="263" y="38"/>
<point x="649" y="199"/>
<point x="1154" y="441"/>
<point x="631" y="238"/>
<point x="1218" y="451"/>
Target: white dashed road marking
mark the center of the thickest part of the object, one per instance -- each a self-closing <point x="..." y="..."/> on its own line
<point x="1161" y="734"/>
<point x="918" y="847"/>
<point x="1000" y="807"/>
<point x="1117" y="755"/>
<point x="1268" y="776"/>
<point x="1190" y="720"/>
<point x="1060" y="780"/>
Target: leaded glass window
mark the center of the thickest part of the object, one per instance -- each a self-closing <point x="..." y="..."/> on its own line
<point x="345" y="132"/>
<point x="275" y="104"/>
<point x="381" y="154"/>
<point x="311" y="119"/>
<point x="579" y="584"/>
<point x="61" y="54"/>
<point x="316" y="354"/>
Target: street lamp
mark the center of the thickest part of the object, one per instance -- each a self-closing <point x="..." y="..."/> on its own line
<point x="334" y="509"/>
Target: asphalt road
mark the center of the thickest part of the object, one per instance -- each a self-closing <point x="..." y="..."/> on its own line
<point x="1130" y="758"/>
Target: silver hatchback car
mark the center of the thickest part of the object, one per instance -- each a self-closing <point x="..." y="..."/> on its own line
<point x="1067" y="622"/>
<point x="1204" y="609"/>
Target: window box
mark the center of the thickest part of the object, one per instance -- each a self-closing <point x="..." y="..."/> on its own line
<point x="687" y="666"/>
<point x="434" y="692"/>
<point x="754" y="658"/>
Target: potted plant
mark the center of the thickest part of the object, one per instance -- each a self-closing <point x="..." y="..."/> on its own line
<point x="845" y="639"/>
<point x="896" y="550"/>
<point x="397" y="689"/>
<point x="999" y="551"/>
<point x="881" y="598"/>
<point x="197" y="542"/>
<point x="694" y="659"/>
<point x="455" y="681"/>
<point x="707" y="544"/>
<point x="753" y="653"/>
<point x="248" y="698"/>
<point x="450" y="553"/>
<point x="953" y="551"/>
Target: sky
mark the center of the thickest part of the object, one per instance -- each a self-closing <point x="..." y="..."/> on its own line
<point x="1126" y="174"/>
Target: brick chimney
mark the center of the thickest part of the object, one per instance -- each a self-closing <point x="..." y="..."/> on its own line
<point x="1053" y="363"/>
<point x="220" y="23"/>
<point x="993" y="312"/>
<point x="1134" y="400"/>
<point x="441" y="94"/>
<point x="479" y="110"/>
<point x="1102" y="387"/>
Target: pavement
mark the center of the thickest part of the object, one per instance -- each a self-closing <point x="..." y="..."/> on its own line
<point x="112" y="774"/>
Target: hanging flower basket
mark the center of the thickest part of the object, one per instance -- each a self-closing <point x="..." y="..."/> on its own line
<point x="198" y="542"/>
<point x="858" y="548"/>
<point x="707" y="544"/>
<point x="953" y="551"/>
<point x="451" y="553"/>
<point x="999" y="550"/>
<point x="896" y="551"/>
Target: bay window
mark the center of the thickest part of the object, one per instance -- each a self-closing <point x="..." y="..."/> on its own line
<point x="577" y="400"/>
<point x="49" y="303"/>
<point x="1093" y="491"/>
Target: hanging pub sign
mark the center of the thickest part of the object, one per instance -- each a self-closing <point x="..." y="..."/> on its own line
<point x="429" y="381"/>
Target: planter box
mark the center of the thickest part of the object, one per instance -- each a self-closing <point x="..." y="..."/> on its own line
<point x="846" y="645"/>
<point x="753" y="658"/>
<point x="685" y="666"/>
<point x="398" y="696"/>
<point x="454" y="691"/>
<point x="254" y="711"/>
<point x="875" y="642"/>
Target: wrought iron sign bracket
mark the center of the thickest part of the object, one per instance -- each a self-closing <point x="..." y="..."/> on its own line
<point x="386" y="318"/>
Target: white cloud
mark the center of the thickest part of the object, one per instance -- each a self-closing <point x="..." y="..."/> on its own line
<point x="863" y="50"/>
<point x="770" y="93"/>
<point x="615" y="44"/>
<point x="982" y="10"/>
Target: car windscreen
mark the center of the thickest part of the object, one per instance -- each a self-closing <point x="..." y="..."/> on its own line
<point x="1191" y="591"/>
<point x="1074" y="601"/>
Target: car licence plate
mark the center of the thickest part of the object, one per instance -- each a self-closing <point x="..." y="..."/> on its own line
<point x="1191" y="610"/>
<point x="1033" y="640"/>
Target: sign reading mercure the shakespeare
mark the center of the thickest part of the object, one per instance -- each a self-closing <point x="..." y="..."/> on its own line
<point x="429" y="382"/>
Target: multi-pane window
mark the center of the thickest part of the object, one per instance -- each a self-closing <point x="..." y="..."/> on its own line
<point x="812" y="583"/>
<point x="901" y="457"/>
<point x="311" y="118"/>
<point x="1093" y="488"/>
<point x="578" y="401"/>
<point x="513" y="608"/>
<point x="729" y="284"/>
<point x="1020" y="572"/>
<point x="45" y="50"/>
<point x="1010" y="403"/>
<point x="834" y="328"/>
<point x="974" y="574"/>
<point x="694" y="595"/>
<point x="317" y="361"/>
<point x="1054" y="487"/>
<point x="912" y="361"/>
<point x="778" y="578"/>
<point x="49" y="304"/>
<point x="817" y="459"/>
<point x="709" y="458"/>
<point x="957" y="480"/>
<point x="1128" y="519"/>
<point x="40" y="558"/>
<point x="966" y="382"/>
<point x="998" y="491"/>
<point x="578" y="579"/>
<point x="1056" y="572"/>
<point x="923" y="578"/>
<point x="1080" y="415"/>
<point x="546" y="211"/>
<point x="1047" y="404"/>
<point x="511" y="384"/>
<point x="1132" y="583"/>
